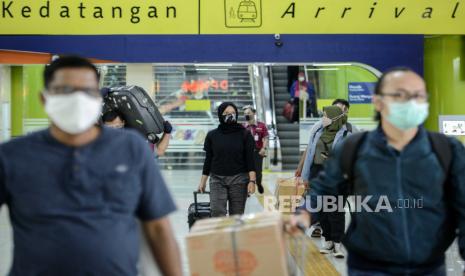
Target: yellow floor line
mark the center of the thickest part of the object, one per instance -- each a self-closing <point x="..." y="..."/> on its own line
<point x="273" y="172"/>
<point x="315" y="262"/>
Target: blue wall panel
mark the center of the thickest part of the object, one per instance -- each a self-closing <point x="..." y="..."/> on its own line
<point x="380" y="51"/>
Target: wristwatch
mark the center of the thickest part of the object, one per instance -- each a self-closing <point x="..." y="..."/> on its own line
<point x="253" y="181"/>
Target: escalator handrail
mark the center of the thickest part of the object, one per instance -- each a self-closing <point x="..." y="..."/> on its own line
<point x="273" y="117"/>
<point x="274" y="161"/>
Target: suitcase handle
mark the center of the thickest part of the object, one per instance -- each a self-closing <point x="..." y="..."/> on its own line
<point x="195" y="199"/>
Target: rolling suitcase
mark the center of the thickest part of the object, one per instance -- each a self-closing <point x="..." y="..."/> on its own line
<point x="198" y="210"/>
<point x="289" y="110"/>
<point x="137" y="108"/>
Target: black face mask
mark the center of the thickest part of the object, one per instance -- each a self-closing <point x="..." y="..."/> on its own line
<point x="248" y="117"/>
<point x="230" y="118"/>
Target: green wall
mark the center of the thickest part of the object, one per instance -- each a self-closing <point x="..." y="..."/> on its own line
<point x="334" y="82"/>
<point x="17" y="101"/>
<point x="33" y="80"/>
<point x="444" y="66"/>
<point x="26" y="85"/>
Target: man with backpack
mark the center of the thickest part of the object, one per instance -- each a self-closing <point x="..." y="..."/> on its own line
<point x="116" y="119"/>
<point x="419" y="175"/>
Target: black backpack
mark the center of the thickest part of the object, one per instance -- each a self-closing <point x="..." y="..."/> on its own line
<point x="439" y="142"/>
<point x="348" y="130"/>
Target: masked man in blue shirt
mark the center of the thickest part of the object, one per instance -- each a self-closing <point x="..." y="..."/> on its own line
<point x="75" y="191"/>
<point x="413" y="194"/>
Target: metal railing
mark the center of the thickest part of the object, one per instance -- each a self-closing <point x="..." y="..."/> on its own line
<point x="273" y="133"/>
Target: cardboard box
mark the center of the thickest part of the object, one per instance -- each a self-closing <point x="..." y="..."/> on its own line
<point x="288" y="194"/>
<point x="247" y="245"/>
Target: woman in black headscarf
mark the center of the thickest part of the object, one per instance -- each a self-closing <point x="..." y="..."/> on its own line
<point x="229" y="162"/>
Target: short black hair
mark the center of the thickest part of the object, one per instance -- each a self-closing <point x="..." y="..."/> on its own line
<point x="379" y="85"/>
<point x="67" y="62"/>
<point x="341" y="101"/>
<point x="111" y="115"/>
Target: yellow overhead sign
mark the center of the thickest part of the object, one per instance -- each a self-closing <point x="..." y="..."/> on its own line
<point x="232" y="17"/>
<point x="99" y="17"/>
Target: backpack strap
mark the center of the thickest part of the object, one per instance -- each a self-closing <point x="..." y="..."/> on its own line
<point x="345" y="133"/>
<point x="315" y="133"/>
<point x="348" y="129"/>
<point x="442" y="148"/>
<point x="349" y="156"/>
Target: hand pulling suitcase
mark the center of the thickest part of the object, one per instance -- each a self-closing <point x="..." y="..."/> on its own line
<point x="137" y="108"/>
<point x="198" y="210"/>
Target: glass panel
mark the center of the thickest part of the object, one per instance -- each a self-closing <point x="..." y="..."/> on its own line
<point x="188" y="96"/>
<point x="349" y="82"/>
<point x="194" y="91"/>
<point x="5" y="103"/>
<point x="324" y="83"/>
<point x="113" y="75"/>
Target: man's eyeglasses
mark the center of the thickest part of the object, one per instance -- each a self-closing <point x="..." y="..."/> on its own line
<point x="64" y="90"/>
<point x="404" y="96"/>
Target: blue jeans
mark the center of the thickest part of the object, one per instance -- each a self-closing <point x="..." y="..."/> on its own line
<point x="440" y="271"/>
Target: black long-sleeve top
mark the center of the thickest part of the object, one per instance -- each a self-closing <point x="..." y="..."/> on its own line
<point x="228" y="154"/>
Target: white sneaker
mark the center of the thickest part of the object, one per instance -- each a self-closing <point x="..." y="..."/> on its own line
<point x="337" y="251"/>
<point x="323" y="242"/>
<point x="316" y="231"/>
<point x="328" y="247"/>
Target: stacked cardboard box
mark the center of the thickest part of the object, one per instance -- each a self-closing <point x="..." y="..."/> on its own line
<point x="289" y="194"/>
<point x="247" y="245"/>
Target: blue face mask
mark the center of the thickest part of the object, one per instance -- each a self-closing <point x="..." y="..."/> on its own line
<point x="407" y="115"/>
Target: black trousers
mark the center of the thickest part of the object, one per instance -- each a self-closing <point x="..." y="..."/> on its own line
<point x="295" y="115"/>
<point x="311" y="109"/>
<point x="333" y="224"/>
<point x="258" y="166"/>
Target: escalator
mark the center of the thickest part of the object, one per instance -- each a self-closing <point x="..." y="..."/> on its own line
<point x="288" y="132"/>
<point x="215" y="83"/>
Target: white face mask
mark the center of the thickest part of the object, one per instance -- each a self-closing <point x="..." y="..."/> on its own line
<point x="73" y="113"/>
<point x="301" y="79"/>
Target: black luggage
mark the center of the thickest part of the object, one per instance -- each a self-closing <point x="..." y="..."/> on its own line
<point x="198" y="210"/>
<point x="137" y="108"/>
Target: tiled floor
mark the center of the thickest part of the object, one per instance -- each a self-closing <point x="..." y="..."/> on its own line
<point x="181" y="184"/>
